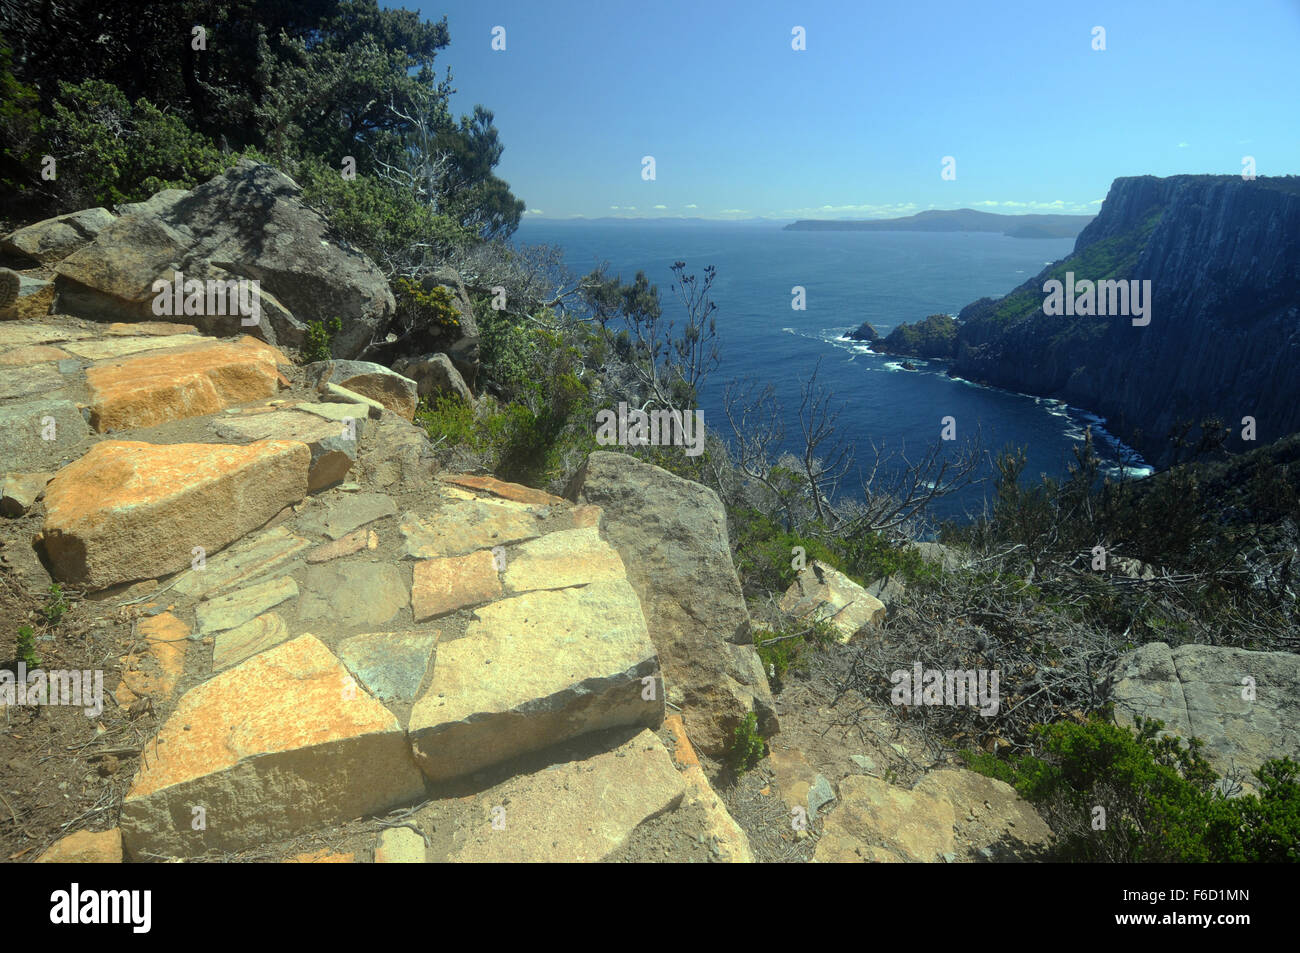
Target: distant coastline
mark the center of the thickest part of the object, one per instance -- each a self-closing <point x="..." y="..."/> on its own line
<point x="956" y="220"/>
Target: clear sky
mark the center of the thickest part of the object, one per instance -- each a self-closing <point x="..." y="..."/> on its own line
<point x="857" y="125"/>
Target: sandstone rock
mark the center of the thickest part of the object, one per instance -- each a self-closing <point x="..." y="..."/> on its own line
<point x="353" y="542"/>
<point x="130" y="510"/>
<point x="342" y="514"/>
<point x="20" y="491"/>
<point x="565" y="558"/>
<point x="439" y="586"/>
<point x="342" y="596"/>
<point x="244" y="641"/>
<point x="672" y="536"/>
<point x="730" y="838"/>
<point x="32" y="379"/>
<point x="156" y="669"/>
<point x="189" y="381"/>
<point x="395" y="392"/>
<point x="85" y="847"/>
<point x="434" y="376"/>
<point x="823" y="593"/>
<point x="1196" y="690"/>
<point x="574" y="812"/>
<point x="235" y="608"/>
<point x="390" y="665"/>
<point x="248" y="222"/>
<point x="149" y="329"/>
<point x="38" y="332"/>
<point x="467" y="527"/>
<point x="10" y="283"/>
<point x="400" y="845"/>
<point x="399" y="454"/>
<point x="242" y="563"/>
<point x="888" y="589"/>
<point x="283" y="742"/>
<point x="876" y="821"/>
<point x="507" y="491"/>
<point x="33" y="354"/>
<point x="26" y="428"/>
<point x="949" y="559"/>
<point x="333" y="445"/>
<point x="119" y="345"/>
<point x="56" y="238"/>
<point x="532" y="671"/>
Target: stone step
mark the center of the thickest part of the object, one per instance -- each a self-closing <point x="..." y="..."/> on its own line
<point x="534" y="670"/>
<point x="283" y="742"/>
<point x="129" y="510"/>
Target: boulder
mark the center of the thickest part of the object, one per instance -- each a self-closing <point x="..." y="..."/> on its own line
<point x="822" y="593"/>
<point x="534" y="670"/>
<point x="948" y="558"/>
<point x="434" y="375"/>
<point x="129" y="510"/>
<point x="56" y="238"/>
<point x="378" y="383"/>
<point x="246" y="223"/>
<point x="10" y="283"/>
<point x="85" y="847"/>
<point x="20" y="491"/>
<point x="1244" y="705"/>
<point x="672" y="536"/>
<point x="950" y="814"/>
<point x="284" y="741"/>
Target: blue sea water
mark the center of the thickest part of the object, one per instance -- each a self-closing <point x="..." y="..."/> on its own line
<point x="886" y="278"/>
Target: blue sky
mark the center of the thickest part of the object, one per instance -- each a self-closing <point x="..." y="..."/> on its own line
<point x="857" y="125"/>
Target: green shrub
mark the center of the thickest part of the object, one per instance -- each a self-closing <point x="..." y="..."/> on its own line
<point x="747" y="745"/>
<point x="1158" y="796"/>
<point x="433" y="311"/>
<point x="56" y="605"/>
<point x="26" y="647"/>
<point x="320" y="340"/>
<point x="786" y="647"/>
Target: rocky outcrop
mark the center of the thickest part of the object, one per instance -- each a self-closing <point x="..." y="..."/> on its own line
<point x="672" y="536"/>
<point x="1223" y="258"/>
<point x="1244" y="705"/>
<point x="56" y="238"/>
<point x="389" y="388"/>
<point x="247" y="223"/>
<point x="864" y="332"/>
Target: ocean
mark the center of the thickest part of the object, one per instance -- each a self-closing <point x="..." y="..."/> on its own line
<point x="887" y="278"/>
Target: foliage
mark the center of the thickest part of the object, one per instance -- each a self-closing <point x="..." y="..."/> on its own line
<point x="56" y="605"/>
<point x="787" y="647"/>
<point x="26" y="647"/>
<point x="747" y="745"/>
<point x="433" y="312"/>
<point x="934" y="337"/>
<point x="1157" y="794"/>
<point x="320" y="340"/>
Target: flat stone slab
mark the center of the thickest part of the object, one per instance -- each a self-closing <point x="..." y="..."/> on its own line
<point x="123" y="346"/>
<point x="340" y="596"/>
<point x="464" y="527"/>
<point x="33" y="379"/>
<point x="284" y="742"/>
<point x="353" y="542"/>
<point x="129" y="510"/>
<point x="1198" y="691"/>
<point x="26" y="429"/>
<point x="201" y="378"/>
<point x="534" y="670"/>
<point x="244" y="641"/>
<point x="333" y="444"/>
<point x="571" y="557"/>
<point x="507" y="491"/>
<point x="242" y="563"/>
<point x="236" y="608"/>
<point x="439" y="586"/>
<point x="19" y="333"/>
<point x="33" y="354"/>
<point x="573" y="812"/>
<point x="400" y="845"/>
<point x="342" y="513"/>
<point x="391" y="665"/>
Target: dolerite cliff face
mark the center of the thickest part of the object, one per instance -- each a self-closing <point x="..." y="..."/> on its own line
<point x="1223" y="258"/>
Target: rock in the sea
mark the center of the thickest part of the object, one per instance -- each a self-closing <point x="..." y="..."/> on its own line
<point x="247" y="223"/>
<point x="864" y="332"/>
<point x="672" y="536"/>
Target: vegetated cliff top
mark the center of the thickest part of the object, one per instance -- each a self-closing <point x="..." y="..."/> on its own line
<point x="956" y="220"/>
